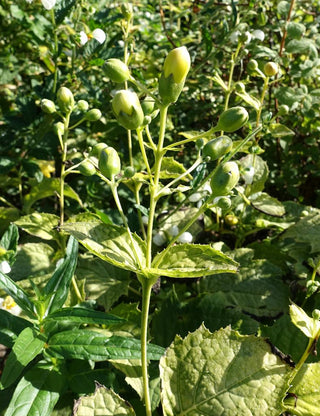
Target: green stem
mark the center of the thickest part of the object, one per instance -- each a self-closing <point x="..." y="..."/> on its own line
<point x="146" y="294"/>
<point x="192" y="139"/>
<point x="76" y="289"/>
<point x="55" y="52"/>
<point x="63" y="166"/>
<point x="264" y="90"/>
<point x="232" y="66"/>
<point x="314" y="273"/>
<point x="144" y="154"/>
<point x="144" y="89"/>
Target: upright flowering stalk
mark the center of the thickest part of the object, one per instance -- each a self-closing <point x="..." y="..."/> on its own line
<point x="175" y="70"/>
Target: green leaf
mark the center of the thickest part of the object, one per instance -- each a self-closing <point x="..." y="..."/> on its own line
<point x="304" y="395"/>
<point x="47" y="188"/>
<point x="306" y="231"/>
<point x="295" y="30"/>
<point x="41" y="225"/>
<point x="279" y="130"/>
<point x="302" y="46"/>
<point x="19" y="295"/>
<point x="91" y="345"/>
<point x="84" y="315"/>
<point x="222" y="373"/>
<point x="62" y="9"/>
<point x="10" y="327"/>
<point x="10" y="238"/>
<point x="257" y="289"/>
<point x="192" y="260"/>
<point x="103" y="402"/>
<point x="170" y="168"/>
<point x="7" y="215"/>
<point x="103" y="281"/>
<point x="268" y="205"/>
<point x="37" y="392"/>
<point x="261" y="172"/>
<point x="58" y="285"/>
<point x="309" y="326"/>
<point x="27" y="346"/>
<point x="109" y="242"/>
<point x="252" y="101"/>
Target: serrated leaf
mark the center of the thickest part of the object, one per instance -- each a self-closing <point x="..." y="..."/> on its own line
<point x="37" y="392"/>
<point x="109" y="242"/>
<point x="82" y="315"/>
<point x="90" y="345"/>
<point x="307" y="231"/>
<point x="27" y="346"/>
<point x="267" y="204"/>
<point x="222" y="373"/>
<point x="42" y="225"/>
<point x="303" y="397"/>
<point x="103" y="402"/>
<point x="57" y="287"/>
<point x="170" y="168"/>
<point x="19" y="295"/>
<point x="46" y="188"/>
<point x="10" y="327"/>
<point x="191" y="260"/>
<point x="279" y="130"/>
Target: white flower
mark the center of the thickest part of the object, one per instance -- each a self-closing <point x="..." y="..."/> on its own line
<point x="258" y="34"/>
<point x="99" y="35"/>
<point x="234" y="36"/>
<point x="10" y="305"/>
<point x="248" y="175"/>
<point x="48" y="4"/>
<point x="173" y="231"/>
<point x="83" y="38"/>
<point x="159" y="238"/>
<point x="5" y="267"/>
<point x="247" y="38"/>
<point x="185" y="237"/>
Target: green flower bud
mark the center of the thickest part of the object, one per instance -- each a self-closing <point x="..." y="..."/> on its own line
<point x="218" y="147"/>
<point x="283" y="110"/>
<point x="65" y="99"/>
<point x="96" y="150"/>
<point x="48" y="106"/>
<point x="127" y="10"/>
<point x="82" y="105"/>
<point x="129" y="172"/>
<point x="109" y="162"/>
<point x="147" y="106"/>
<point x="252" y="65"/>
<point x="58" y="128"/>
<point x="175" y="69"/>
<point x="225" y="179"/>
<point x="231" y="219"/>
<point x="93" y="115"/>
<point x="270" y="69"/>
<point x="233" y="119"/>
<point x="127" y="108"/>
<point x="86" y="168"/>
<point x="116" y="70"/>
<point x="240" y="87"/>
<point x="223" y="202"/>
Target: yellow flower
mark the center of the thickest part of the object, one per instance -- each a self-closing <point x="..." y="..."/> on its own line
<point x="47" y="167"/>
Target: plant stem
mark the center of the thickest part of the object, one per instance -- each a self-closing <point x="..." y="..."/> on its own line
<point x="63" y="166"/>
<point x="55" y="52"/>
<point x="146" y="294"/>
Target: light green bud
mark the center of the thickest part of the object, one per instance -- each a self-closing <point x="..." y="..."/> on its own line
<point x="127" y="10"/>
<point x="93" y="115"/>
<point x="116" y="70"/>
<point x="48" y="106"/>
<point x="127" y="108"/>
<point x="109" y="162"/>
<point x="252" y="65"/>
<point x="82" y="105"/>
<point x="58" y="128"/>
<point x="233" y="119"/>
<point x="65" y="99"/>
<point x="283" y="110"/>
<point x="270" y="69"/>
<point x="224" y="179"/>
<point x="87" y="168"/>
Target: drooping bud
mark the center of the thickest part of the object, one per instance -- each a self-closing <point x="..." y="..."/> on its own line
<point x="225" y="179"/>
<point x="270" y="69"/>
<point x="116" y="70"/>
<point x="65" y="99"/>
<point x="93" y="115"/>
<point x="48" y="106"/>
<point x="127" y="108"/>
<point x="232" y="119"/>
<point x="175" y="70"/>
<point x="109" y="162"/>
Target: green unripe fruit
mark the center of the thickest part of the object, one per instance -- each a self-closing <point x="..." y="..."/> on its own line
<point x="82" y="105"/>
<point x="48" y="106"/>
<point x="65" y="99"/>
<point x="129" y="172"/>
<point x="224" y="179"/>
<point x="87" y="169"/>
<point x="175" y="69"/>
<point x="116" y="70"/>
<point x="270" y="69"/>
<point x="233" y="119"/>
<point x="283" y="110"/>
<point x="252" y="65"/>
<point x="127" y="108"/>
<point x="93" y="115"/>
<point x="109" y="162"/>
<point x="218" y="147"/>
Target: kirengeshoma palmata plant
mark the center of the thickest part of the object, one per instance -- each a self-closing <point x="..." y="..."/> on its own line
<point x="123" y="248"/>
